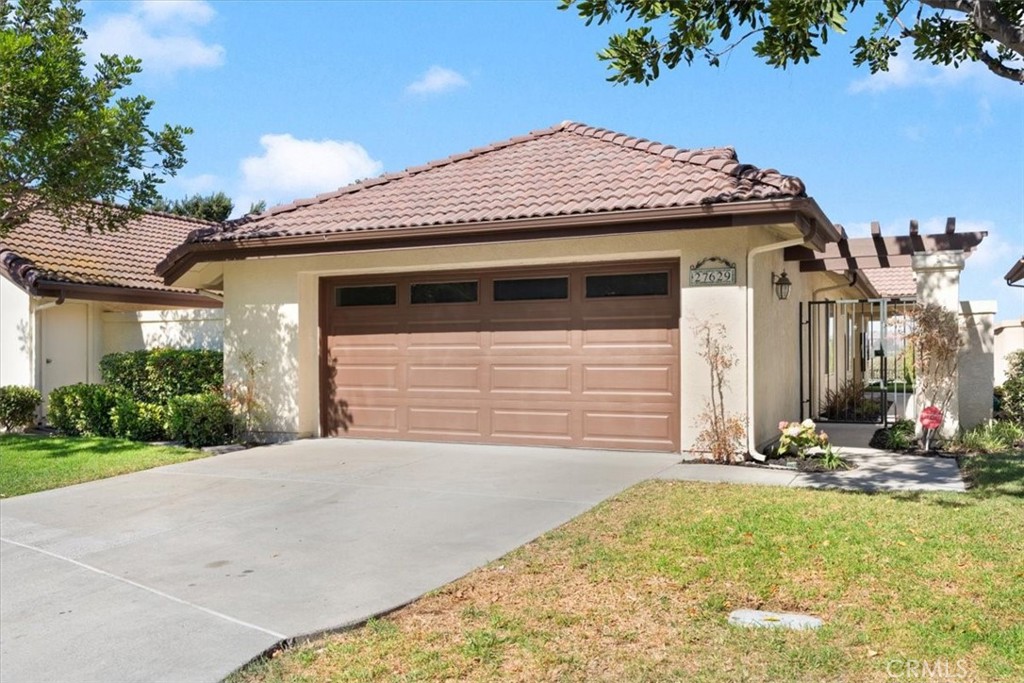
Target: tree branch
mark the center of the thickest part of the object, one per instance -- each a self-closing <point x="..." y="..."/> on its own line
<point x="1000" y="69"/>
<point x="988" y="20"/>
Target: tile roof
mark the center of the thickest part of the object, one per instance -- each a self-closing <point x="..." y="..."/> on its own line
<point x="40" y="250"/>
<point x="569" y="169"/>
<point x="892" y="283"/>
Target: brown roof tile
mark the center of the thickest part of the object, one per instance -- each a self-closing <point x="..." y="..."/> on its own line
<point x="892" y="283"/>
<point x="568" y="169"/>
<point x="40" y="251"/>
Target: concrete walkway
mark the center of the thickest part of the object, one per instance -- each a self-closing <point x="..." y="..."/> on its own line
<point x="876" y="471"/>
<point x="186" y="572"/>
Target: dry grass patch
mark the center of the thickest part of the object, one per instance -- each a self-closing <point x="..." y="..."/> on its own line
<point x="639" y="590"/>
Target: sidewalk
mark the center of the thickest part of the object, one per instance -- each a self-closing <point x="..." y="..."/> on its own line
<point x="876" y="470"/>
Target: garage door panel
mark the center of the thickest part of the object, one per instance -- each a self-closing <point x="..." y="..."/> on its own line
<point x="510" y="379"/>
<point x="597" y="372"/>
<point x="443" y="378"/>
<point x="609" y="334"/>
<point x="425" y="337"/>
<point x="365" y="376"/>
<point x="526" y="334"/>
<point x="532" y="425"/>
<point x="445" y="421"/>
<point x="633" y="380"/>
<point x="372" y="420"/>
<point x="628" y="427"/>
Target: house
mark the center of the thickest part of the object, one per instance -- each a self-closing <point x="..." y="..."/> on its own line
<point x="540" y="290"/>
<point x="69" y="297"/>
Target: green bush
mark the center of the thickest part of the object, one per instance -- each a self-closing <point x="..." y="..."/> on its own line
<point x="200" y="419"/>
<point x="993" y="437"/>
<point x="897" y="437"/>
<point x="158" y="375"/>
<point x="18" y="406"/>
<point x="137" y="421"/>
<point x="82" y="409"/>
<point x="1012" y="391"/>
<point x="127" y="373"/>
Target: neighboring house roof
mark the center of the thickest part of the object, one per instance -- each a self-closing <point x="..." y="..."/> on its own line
<point x="892" y="283"/>
<point x="568" y="177"/>
<point x="45" y="260"/>
<point x="1016" y="273"/>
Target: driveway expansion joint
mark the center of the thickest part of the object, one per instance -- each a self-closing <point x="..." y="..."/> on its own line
<point x="148" y="589"/>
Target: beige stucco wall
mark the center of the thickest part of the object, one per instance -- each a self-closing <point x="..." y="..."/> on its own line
<point x="1008" y="337"/>
<point x="17" y="336"/>
<point x="272" y="309"/>
<point x="179" y="328"/>
<point x="976" y="363"/>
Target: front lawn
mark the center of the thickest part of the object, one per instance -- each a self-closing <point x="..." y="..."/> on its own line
<point x="30" y="463"/>
<point x="639" y="589"/>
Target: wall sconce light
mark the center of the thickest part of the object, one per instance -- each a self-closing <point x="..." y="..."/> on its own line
<point x="782" y="285"/>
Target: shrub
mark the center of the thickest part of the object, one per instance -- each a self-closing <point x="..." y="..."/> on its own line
<point x="994" y="437"/>
<point x="158" y="375"/>
<point x="131" y="419"/>
<point x="1011" y="395"/>
<point x="200" y="419"/>
<point x="800" y="437"/>
<point x="18" y="406"/>
<point x="847" y="402"/>
<point x="82" y="409"/>
<point x="898" y="437"/>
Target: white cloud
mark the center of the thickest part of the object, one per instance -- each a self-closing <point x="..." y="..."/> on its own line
<point x="435" y="80"/>
<point x="907" y="72"/>
<point x="162" y="34"/>
<point x="291" y="168"/>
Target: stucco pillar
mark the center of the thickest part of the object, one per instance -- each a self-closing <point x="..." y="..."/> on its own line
<point x="938" y="282"/>
<point x="977" y="363"/>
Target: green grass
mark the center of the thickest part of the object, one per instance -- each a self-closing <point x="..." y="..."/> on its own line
<point x="31" y="463"/>
<point x="639" y="589"/>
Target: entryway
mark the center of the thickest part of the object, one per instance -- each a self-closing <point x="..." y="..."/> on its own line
<point x="856" y="365"/>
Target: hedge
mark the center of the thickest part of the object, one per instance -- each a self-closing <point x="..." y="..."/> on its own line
<point x="18" y="406"/>
<point x="82" y="409"/>
<point x="200" y="419"/>
<point x="137" y="421"/>
<point x="157" y="376"/>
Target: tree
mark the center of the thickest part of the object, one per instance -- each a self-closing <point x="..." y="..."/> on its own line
<point x="215" y="206"/>
<point x="71" y="143"/>
<point x="791" y="31"/>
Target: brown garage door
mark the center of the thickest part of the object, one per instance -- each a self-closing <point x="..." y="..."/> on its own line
<point x="573" y="356"/>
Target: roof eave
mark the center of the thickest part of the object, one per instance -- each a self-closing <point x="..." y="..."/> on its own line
<point x="1016" y="273"/>
<point x="120" y="294"/>
<point x="803" y="212"/>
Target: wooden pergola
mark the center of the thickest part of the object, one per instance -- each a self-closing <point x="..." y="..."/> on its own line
<point x="878" y="251"/>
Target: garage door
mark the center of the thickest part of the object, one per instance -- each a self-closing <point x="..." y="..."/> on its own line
<point x="573" y="356"/>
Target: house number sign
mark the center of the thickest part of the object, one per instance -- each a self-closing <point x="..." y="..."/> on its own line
<point x="706" y="274"/>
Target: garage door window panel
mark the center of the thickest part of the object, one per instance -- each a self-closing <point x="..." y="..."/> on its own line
<point x="632" y="284"/>
<point x="366" y="295"/>
<point x="532" y="289"/>
<point x="444" y="293"/>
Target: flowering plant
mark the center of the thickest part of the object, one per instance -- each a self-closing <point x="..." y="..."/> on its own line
<point x="801" y="437"/>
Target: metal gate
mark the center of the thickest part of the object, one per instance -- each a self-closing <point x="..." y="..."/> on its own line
<point x="855" y="363"/>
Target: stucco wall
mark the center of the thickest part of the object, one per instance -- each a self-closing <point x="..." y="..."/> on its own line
<point x="271" y="309"/>
<point x="976" y="363"/>
<point x="182" y="328"/>
<point x="17" y="336"/>
<point x="1008" y="337"/>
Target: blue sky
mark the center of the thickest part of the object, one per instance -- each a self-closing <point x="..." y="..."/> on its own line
<point x="290" y="99"/>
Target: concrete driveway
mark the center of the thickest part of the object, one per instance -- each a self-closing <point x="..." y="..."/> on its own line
<point x="184" y="573"/>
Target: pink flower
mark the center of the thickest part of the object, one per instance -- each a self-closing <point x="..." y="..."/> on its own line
<point x="783" y="425"/>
